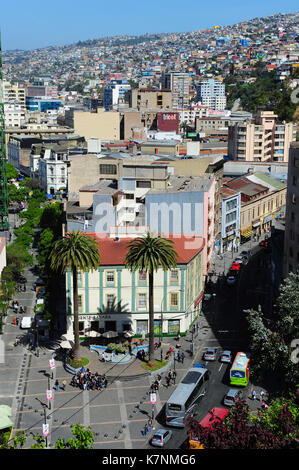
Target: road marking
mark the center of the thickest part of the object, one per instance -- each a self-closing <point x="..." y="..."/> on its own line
<point x="124" y="415"/>
<point x="220" y="368"/>
<point x="86" y="411"/>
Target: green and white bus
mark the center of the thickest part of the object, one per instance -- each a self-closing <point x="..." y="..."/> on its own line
<point x="239" y="372"/>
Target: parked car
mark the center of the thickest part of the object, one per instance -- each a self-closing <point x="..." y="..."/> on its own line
<point x="226" y="356"/>
<point x="246" y="253"/>
<point x="235" y="267"/>
<point x="231" y="278"/>
<point x="232" y="396"/>
<point x="210" y="354"/>
<point x="160" y="437"/>
<point x="26" y="322"/>
<point x="241" y="259"/>
<point x="264" y="243"/>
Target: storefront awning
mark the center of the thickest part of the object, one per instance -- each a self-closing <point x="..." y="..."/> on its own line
<point x="248" y="233"/>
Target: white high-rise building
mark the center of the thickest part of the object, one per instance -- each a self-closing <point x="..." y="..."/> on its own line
<point x="211" y="93"/>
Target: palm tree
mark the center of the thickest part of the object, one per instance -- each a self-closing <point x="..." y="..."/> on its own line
<point x="77" y="252"/>
<point x="147" y="254"/>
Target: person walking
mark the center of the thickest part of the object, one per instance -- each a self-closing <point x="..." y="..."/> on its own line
<point x="253" y="395"/>
<point x="262" y="393"/>
<point x="57" y="385"/>
<point x="182" y="357"/>
<point x="64" y="384"/>
<point x="167" y="381"/>
<point x="174" y="377"/>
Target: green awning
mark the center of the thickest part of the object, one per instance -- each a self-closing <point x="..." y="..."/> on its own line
<point x="5" y="421"/>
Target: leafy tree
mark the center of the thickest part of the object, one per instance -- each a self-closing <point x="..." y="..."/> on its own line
<point x="270" y="341"/>
<point x="76" y="251"/>
<point x="148" y="254"/>
<point x="239" y="431"/>
<point x="11" y="172"/>
<point x="281" y="417"/>
<point x="84" y="439"/>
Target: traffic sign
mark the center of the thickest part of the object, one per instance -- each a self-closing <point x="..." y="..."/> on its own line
<point x="46" y="429"/>
<point x="49" y="395"/>
<point x="153" y="398"/>
<point x="52" y="363"/>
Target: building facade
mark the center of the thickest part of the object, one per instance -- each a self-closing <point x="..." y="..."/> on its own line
<point x="291" y="244"/>
<point x="263" y="139"/>
<point x="178" y="83"/>
<point x="113" y="298"/>
<point x="211" y="93"/>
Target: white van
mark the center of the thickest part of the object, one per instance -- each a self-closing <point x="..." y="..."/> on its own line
<point x="26" y="322"/>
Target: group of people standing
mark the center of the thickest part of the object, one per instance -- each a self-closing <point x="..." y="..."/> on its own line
<point x="88" y="381"/>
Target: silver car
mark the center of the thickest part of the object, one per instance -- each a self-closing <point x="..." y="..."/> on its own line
<point x="160" y="437"/>
<point x="210" y="354"/>
<point x="232" y="396"/>
<point x="226" y="356"/>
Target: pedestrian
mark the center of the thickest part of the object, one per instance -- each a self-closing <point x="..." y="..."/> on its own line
<point x="146" y="428"/>
<point x="64" y="384"/>
<point x="57" y="385"/>
<point x="253" y="395"/>
<point x="174" y="377"/>
<point x="167" y="381"/>
<point x="149" y="425"/>
<point x="178" y="356"/>
<point x="262" y="393"/>
<point x="182" y="357"/>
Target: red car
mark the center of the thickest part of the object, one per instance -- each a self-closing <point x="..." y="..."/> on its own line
<point x="235" y="266"/>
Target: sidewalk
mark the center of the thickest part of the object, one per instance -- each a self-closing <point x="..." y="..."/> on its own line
<point x="134" y="369"/>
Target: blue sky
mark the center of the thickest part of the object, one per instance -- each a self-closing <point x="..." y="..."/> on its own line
<point x="34" y="24"/>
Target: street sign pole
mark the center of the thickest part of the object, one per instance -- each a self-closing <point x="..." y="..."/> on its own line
<point x="46" y="436"/>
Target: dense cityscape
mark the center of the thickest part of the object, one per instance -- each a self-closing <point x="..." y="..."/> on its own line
<point x="149" y="242"/>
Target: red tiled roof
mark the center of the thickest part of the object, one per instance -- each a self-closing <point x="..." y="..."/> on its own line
<point x="114" y="252"/>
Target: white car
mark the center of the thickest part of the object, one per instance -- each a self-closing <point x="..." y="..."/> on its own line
<point x="26" y="322"/>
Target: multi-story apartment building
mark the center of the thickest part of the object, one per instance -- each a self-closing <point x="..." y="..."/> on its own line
<point x="211" y="93"/>
<point x="113" y="298"/>
<point x="262" y="199"/>
<point x="14" y="114"/>
<point x="114" y="94"/>
<point x="186" y="206"/>
<point x="178" y="83"/>
<point x="231" y="206"/>
<point x="150" y="98"/>
<point x="263" y="139"/>
<point x="52" y="169"/>
<point x="14" y="93"/>
<point x="291" y="244"/>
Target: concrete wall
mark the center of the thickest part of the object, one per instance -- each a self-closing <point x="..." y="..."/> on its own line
<point x="103" y="124"/>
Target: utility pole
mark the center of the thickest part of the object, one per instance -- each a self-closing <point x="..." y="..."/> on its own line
<point x="4" y="222"/>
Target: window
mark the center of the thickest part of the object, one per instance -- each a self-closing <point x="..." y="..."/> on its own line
<point x="79" y="301"/>
<point x="142" y="276"/>
<point x="79" y="277"/>
<point x="143" y="184"/>
<point x="173" y="300"/>
<point x="110" y="301"/>
<point x="174" y="275"/>
<point x="110" y="277"/>
<point x="129" y="196"/>
<point x="142" y="301"/>
<point x="106" y="169"/>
